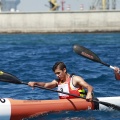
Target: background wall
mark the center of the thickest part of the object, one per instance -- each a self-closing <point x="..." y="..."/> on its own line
<point x="45" y="22"/>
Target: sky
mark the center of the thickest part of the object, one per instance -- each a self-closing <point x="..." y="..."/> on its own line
<point x="43" y="5"/>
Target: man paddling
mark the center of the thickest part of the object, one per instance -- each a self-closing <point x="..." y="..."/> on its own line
<point x="117" y="73"/>
<point x="65" y="82"/>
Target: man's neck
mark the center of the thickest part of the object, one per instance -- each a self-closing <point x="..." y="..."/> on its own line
<point x="66" y="77"/>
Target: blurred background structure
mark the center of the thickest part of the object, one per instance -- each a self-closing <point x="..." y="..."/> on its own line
<point x="9" y="5"/>
<point x="103" y="4"/>
<point x="62" y="5"/>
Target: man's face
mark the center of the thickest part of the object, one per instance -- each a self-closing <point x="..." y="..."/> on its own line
<point x="60" y="73"/>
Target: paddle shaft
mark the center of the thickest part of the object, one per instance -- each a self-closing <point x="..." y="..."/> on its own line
<point x="107" y="65"/>
<point x="93" y="100"/>
<point x="54" y="90"/>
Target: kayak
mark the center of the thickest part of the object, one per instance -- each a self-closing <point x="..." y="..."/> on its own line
<point x="14" y="109"/>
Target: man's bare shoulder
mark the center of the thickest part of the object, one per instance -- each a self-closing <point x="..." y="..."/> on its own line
<point x="77" y="78"/>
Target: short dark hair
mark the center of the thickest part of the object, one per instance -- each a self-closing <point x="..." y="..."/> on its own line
<point x="61" y="66"/>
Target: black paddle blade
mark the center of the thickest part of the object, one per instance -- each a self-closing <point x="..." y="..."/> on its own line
<point x="80" y="50"/>
<point x="6" y="77"/>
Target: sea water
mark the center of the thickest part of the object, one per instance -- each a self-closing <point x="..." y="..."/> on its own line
<point x="30" y="57"/>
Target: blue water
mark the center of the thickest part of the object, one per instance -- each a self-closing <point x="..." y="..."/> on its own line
<point x="30" y="57"/>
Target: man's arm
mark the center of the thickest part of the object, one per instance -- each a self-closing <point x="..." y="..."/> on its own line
<point x="78" y="81"/>
<point x="52" y="84"/>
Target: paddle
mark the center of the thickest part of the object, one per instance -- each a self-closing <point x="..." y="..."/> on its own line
<point x="7" y="77"/>
<point x="80" y="50"/>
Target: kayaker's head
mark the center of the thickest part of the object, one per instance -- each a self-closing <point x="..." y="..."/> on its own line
<point x="60" y="70"/>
